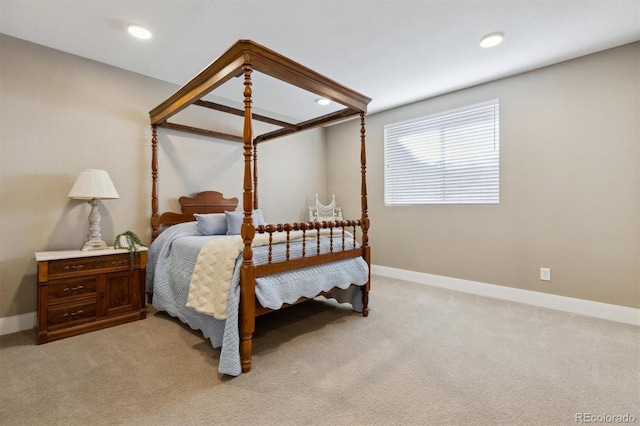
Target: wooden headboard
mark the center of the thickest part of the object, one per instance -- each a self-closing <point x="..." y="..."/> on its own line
<point x="204" y="202"/>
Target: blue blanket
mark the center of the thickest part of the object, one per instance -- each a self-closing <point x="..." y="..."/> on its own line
<point x="173" y="255"/>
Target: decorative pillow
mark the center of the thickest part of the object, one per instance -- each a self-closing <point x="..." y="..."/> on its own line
<point x="211" y="223"/>
<point x="258" y="218"/>
<point x="234" y="220"/>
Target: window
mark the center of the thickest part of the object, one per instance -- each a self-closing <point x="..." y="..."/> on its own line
<point x="449" y="158"/>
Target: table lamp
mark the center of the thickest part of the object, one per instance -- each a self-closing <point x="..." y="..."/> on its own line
<point x="94" y="185"/>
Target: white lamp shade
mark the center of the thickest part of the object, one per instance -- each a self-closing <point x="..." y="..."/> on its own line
<point x="93" y="183"/>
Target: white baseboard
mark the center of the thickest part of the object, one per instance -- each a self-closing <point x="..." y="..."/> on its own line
<point x="561" y="303"/>
<point x="17" y="323"/>
<point x="606" y="311"/>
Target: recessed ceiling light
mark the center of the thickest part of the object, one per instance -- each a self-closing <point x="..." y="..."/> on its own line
<point x="139" y="31"/>
<point x="491" y="40"/>
<point x="323" y="101"/>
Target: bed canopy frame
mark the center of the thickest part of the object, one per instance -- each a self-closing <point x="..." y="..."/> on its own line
<point x="241" y="60"/>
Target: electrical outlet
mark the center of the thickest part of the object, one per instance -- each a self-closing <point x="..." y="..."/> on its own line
<point x="545" y="274"/>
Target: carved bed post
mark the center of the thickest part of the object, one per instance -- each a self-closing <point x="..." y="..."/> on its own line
<point x="365" y="215"/>
<point x="255" y="176"/>
<point x="155" y="219"/>
<point x="247" y="273"/>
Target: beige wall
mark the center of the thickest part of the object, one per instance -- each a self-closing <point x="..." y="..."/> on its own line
<point x="570" y="185"/>
<point x="61" y="113"/>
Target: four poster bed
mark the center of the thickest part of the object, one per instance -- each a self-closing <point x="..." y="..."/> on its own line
<point x="230" y="267"/>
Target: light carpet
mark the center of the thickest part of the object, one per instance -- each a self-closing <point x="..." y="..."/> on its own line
<point x="424" y="356"/>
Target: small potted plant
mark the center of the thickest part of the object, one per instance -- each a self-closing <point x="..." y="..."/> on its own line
<point x="128" y="240"/>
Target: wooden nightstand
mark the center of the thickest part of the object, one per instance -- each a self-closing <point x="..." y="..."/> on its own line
<point x="82" y="291"/>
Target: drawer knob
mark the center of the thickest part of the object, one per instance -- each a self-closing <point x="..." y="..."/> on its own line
<point x="80" y="266"/>
<point x="78" y="312"/>
<point x="80" y="287"/>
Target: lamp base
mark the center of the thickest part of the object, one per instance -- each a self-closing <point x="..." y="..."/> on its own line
<point x="94" y="245"/>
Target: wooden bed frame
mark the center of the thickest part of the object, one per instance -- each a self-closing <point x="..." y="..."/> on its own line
<point x="241" y="60"/>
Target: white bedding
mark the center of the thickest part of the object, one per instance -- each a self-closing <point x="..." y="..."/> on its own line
<point x="212" y="273"/>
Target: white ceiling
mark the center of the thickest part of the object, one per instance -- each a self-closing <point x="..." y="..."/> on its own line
<point x="394" y="51"/>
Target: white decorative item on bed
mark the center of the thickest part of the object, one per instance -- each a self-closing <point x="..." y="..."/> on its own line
<point x="320" y="212"/>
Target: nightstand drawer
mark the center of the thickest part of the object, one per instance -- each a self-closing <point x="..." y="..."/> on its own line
<point x="62" y="291"/>
<point x="88" y="264"/>
<point x="73" y="313"/>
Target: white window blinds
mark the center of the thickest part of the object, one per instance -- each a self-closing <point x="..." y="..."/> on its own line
<point x="450" y="158"/>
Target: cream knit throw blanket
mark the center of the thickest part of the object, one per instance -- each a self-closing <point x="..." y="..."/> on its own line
<point x="213" y="272"/>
